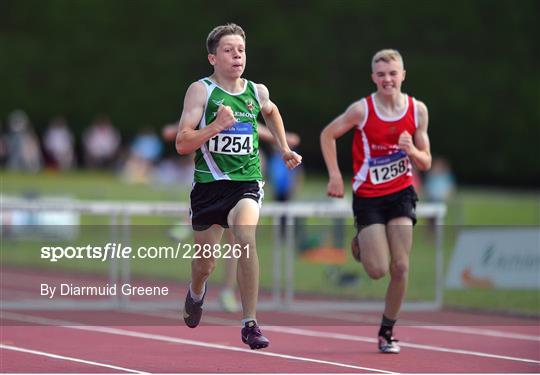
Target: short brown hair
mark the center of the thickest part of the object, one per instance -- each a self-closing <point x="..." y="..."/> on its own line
<point x="212" y="41"/>
<point x="387" y="55"/>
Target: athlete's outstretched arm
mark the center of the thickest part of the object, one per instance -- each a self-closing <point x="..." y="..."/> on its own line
<point x="353" y="116"/>
<point x="419" y="150"/>
<point x="189" y="138"/>
<point x="272" y="117"/>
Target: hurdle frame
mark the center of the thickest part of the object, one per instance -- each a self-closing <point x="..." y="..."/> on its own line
<point x="282" y="290"/>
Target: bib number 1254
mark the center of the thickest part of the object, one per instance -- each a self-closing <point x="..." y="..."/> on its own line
<point x="237" y="140"/>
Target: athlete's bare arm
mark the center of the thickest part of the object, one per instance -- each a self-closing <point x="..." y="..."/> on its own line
<point x="272" y="117"/>
<point x="353" y="116"/>
<point x="418" y="149"/>
<point x="189" y="138"/>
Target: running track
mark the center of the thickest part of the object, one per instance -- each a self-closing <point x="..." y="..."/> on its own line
<point x="308" y="342"/>
<point x="47" y="345"/>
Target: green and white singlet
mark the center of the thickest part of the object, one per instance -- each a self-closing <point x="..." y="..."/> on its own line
<point x="233" y="154"/>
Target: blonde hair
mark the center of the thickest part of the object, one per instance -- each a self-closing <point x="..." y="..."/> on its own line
<point x="386" y="55"/>
<point x="212" y="41"/>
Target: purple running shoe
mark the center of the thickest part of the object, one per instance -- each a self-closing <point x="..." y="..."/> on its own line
<point x="252" y="336"/>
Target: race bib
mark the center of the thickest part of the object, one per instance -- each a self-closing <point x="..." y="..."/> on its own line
<point x="237" y="140"/>
<point x="387" y="168"/>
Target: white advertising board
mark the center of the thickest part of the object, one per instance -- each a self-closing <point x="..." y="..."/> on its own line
<point x="499" y="258"/>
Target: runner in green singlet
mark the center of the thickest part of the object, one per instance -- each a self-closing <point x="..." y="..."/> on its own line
<point x="218" y="122"/>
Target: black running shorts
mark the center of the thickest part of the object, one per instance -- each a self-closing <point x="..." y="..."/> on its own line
<point x="212" y="201"/>
<point x="380" y="210"/>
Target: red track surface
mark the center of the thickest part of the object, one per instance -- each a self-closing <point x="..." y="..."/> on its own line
<point x="297" y="349"/>
<point x="314" y="342"/>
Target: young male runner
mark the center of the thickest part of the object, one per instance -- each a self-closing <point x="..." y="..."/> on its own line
<point x="219" y="123"/>
<point x="390" y="135"/>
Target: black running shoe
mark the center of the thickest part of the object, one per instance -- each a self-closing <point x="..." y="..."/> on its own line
<point x="252" y="336"/>
<point x="193" y="310"/>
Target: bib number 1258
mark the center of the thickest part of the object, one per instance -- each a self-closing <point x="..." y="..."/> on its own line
<point x="384" y="169"/>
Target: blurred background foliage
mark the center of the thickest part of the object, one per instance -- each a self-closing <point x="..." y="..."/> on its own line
<point x="473" y="62"/>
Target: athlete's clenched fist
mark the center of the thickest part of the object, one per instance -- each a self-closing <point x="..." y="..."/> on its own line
<point x="225" y="117"/>
<point x="405" y="142"/>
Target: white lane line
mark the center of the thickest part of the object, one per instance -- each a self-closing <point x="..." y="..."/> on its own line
<point x="482" y="332"/>
<point x="176" y="340"/>
<point x="341" y="336"/>
<point x="71" y="359"/>
<point x="349" y="317"/>
<point x="362" y="318"/>
<point x="312" y="333"/>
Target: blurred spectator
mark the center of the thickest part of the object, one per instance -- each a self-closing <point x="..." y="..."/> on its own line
<point x="59" y="144"/>
<point x="23" y="151"/>
<point x="3" y="146"/>
<point x="177" y="169"/>
<point x="147" y="146"/>
<point x="417" y="182"/>
<point x="144" y="152"/>
<point x="439" y="182"/>
<point x="284" y="181"/>
<point x="101" y="142"/>
<point x="168" y="132"/>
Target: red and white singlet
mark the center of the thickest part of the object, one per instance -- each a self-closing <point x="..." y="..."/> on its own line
<point x="380" y="167"/>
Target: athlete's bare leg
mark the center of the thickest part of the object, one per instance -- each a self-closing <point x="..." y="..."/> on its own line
<point x="227" y="298"/>
<point x="243" y="219"/>
<point x="202" y="267"/>
<point x="374" y="250"/>
<point x="400" y="235"/>
<point x="230" y="264"/>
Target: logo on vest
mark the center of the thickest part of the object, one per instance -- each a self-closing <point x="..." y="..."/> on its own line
<point x="390" y="148"/>
<point x="250" y="106"/>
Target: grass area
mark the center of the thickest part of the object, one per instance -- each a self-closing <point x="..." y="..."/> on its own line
<point x="86" y="186"/>
<point x="470" y="207"/>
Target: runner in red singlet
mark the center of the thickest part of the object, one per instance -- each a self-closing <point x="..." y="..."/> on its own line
<point x="390" y="136"/>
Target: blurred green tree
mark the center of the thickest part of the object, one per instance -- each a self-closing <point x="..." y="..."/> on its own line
<point x="473" y="62"/>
